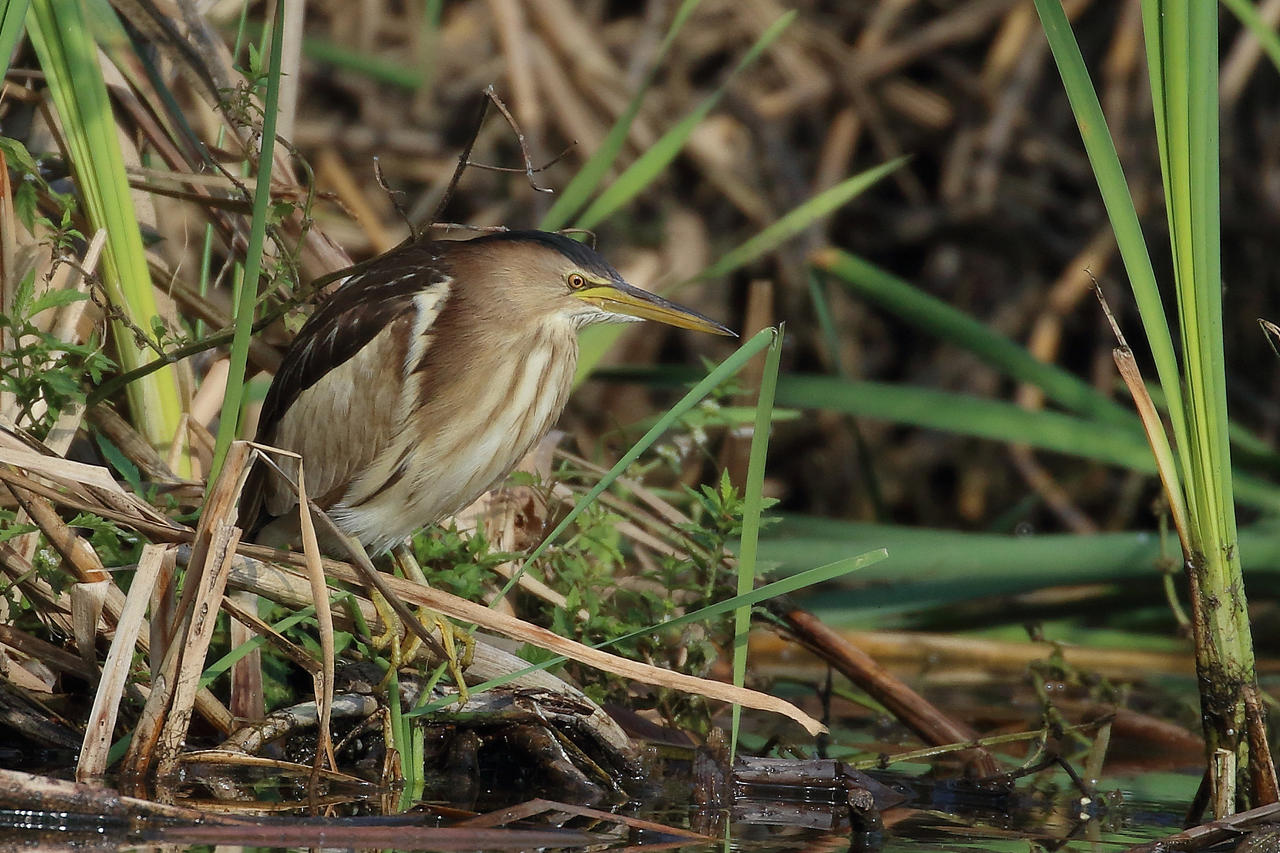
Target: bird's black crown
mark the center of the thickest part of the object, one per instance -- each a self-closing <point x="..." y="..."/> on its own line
<point x="581" y="254"/>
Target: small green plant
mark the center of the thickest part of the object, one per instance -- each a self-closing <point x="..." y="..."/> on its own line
<point x="460" y="563"/>
<point x="610" y="594"/>
<point x="45" y="374"/>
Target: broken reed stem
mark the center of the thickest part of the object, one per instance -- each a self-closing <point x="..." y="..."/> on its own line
<point x="1153" y="426"/>
<point x="164" y="722"/>
<point x="92" y="763"/>
<point x="322" y="680"/>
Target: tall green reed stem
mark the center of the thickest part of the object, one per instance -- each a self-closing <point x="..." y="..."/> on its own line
<point x="69" y="59"/>
<point x="229" y="424"/>
<point x="1182" y="60"/>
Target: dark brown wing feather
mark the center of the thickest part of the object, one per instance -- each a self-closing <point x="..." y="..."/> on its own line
<point x="347" y="321"/>
<point x="343" y="325"/>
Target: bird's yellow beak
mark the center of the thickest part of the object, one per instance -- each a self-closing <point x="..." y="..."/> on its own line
<point x="622" y="298"/>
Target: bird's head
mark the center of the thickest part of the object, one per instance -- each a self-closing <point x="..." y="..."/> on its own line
<point x="549" y="275"/>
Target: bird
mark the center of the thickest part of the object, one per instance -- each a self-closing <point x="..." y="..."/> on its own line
<point x="427" y="375"/>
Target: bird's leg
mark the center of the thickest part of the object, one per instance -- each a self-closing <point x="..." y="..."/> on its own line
<point x="389" y="639"/>
<point x="450" y="634"/>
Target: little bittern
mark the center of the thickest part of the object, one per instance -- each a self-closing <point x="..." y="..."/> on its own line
<point x="430" y="373"/>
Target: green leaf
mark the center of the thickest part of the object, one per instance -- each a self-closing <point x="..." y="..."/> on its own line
<point x="584" y="183"/>
<point x="936" y="317"/>
<point x="123" y="465"/>
<point x="797" y="220"/>
<point x="1114" y="189"/>
<point x="753" y="508"/>
<point x="55" y="299"/>
<point x="9" y="530"/>
<point x="12" y="15"/>
<point x="229" y="425"/>
<point x="652" y="162"/>
<point x="15" y="153"/>
<point x="969" y="415"/>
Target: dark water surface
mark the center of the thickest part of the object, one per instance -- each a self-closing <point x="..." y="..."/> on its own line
<point x="1043" y="813"/>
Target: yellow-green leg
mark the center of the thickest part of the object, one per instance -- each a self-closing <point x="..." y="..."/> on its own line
<point x="450" y="635"/>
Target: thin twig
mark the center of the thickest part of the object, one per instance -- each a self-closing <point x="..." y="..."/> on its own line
<point x="1272" y="334"/>
<point x="457" y="171"/>
<point x="524" y="147"/>
<point x="396" y="197"/>
<point x="584" y="231"/>
<point x="449" y="226"/>
<point x="529" y="168"/>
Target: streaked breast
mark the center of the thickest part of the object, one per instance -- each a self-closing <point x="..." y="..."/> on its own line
<point x="477" y="425"/>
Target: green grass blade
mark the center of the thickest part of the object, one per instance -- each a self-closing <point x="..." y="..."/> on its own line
<point x="1209" y="357"/>
<point x="997" y="420"/>
<point x="1248" y="15"/>
<point x="571" y="199"/>
<point x="69" y="60"/>
<point x="797" y="220"/>
<point x="826" y="322"/>
<point x="941" y="568"/>
<point x="12" y="22"/>
<point x="1207" y="237"/>
<point x="597" y="341"/>
<point x="753" y="508"/>
<point x="950" y="324"/>
<point x="965" y="414"/>
<point x="1119" y="204"/>
<point x="651" y="163"/>
<point x="229" y="425"/>
<point x="1183" y="41"/>
<point x="222" y="665"/>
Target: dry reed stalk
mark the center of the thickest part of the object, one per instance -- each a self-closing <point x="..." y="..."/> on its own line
<point x="214" y="547"/>
<point x="323" y="678"/>
<point x="403" y="593"/>
<point x="174" y="686"/>
<point x="92" y="763"/>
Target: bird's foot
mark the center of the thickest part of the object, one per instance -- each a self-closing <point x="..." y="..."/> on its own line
<point x="450" y="637"/>
<point x="400" y="648"/>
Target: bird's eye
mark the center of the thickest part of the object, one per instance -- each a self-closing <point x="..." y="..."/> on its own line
<point x="577" y="282"/>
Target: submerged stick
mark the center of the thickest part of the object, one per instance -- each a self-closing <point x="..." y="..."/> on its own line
<point x="928" y="722"/>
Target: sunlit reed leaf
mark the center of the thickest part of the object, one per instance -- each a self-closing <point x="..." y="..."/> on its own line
<point x="68" y="58"/>
<point x="802" y="217"/>
<point x="969" y="415"/>
<point x="12" y="21"/>
<point x="752" y="510"/>
<point x="1119" y="203"/>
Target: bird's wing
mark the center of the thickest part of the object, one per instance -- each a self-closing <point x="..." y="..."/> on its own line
<point x="336" y="398"/>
